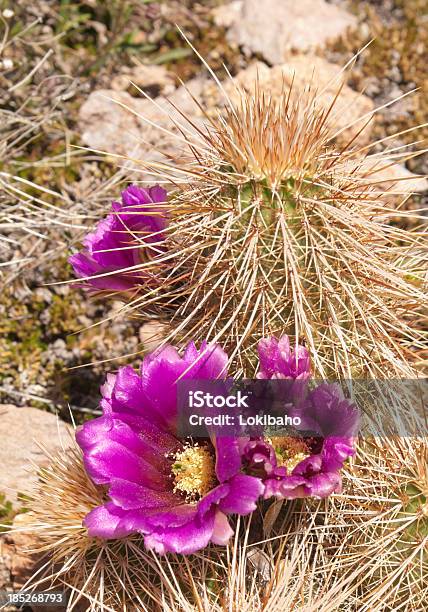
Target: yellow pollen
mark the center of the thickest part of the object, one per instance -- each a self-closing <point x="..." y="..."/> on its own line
<point x="289" y="451"/>
<point x="194" y="471"/>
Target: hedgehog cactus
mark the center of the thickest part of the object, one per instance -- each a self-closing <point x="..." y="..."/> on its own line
<point x="275" y="228"/>
<point x="386" y="511"/>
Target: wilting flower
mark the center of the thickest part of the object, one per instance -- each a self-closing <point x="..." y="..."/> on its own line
<point x="130" y="235"/>
<point x="177" y="494"/>
<point x="306" y="461"/>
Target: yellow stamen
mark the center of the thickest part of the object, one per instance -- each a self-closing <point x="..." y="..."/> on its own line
<point x="194" y="471"/>
<point x="289" y="451"/>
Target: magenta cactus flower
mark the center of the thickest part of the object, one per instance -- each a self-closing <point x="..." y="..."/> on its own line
<point x="303" y="462"/>
<point x="279" y="360"/>
<point x="176" y="493"/>
<point x="307" y="462"/>
<point x="130" y="234"/>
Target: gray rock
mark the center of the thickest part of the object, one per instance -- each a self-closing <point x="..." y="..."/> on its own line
<point x="273" y="28"/>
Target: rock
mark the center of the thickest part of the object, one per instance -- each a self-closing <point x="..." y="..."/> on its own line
<point x="303" y="69"/>
<point x="117" y="123"/>
<point x="22" y="430"/>
<point x="20" y="561"/>
<point x="22" y="545"/>
<point x="17" y="562"/>
<point x="273" y="28"/>
<point x="399" y="108"/>
<point x="225" y="15"/>
<point x="394" y="177"/>
<point x="152" y="79"/>
<point x="182" y="97"/>
<point x="111" y="123"/>
<point x="18" y="565"/>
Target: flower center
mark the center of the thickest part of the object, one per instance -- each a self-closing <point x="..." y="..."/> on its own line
<point x="194" y="471"/>
<point x="289" y="451"/>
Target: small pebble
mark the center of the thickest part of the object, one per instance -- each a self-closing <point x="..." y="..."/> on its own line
<point x="7" y="63"/>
